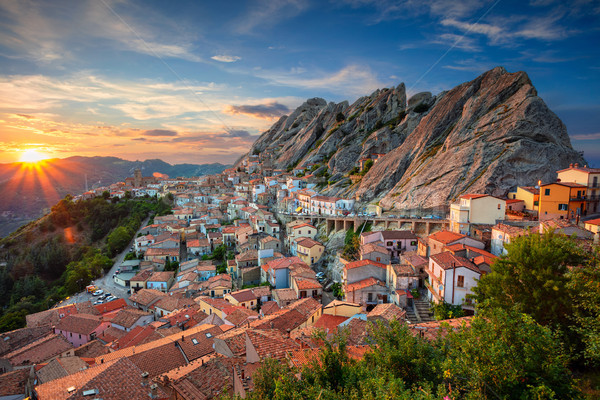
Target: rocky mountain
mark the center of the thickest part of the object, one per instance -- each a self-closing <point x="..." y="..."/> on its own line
<point x="488" y="135"/>
<point x="25" y="192"/>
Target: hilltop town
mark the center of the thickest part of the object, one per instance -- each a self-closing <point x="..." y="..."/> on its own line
<point x="253" y="261"/>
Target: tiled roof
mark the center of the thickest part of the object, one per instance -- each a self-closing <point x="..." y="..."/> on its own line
<point x="171" y="303"/>
<point x="162" y="276"/>
<point x="434" y="329"/>
<point x="152" y="252"/>
<point x="531" y="189"/>
<point x="39" y="351"/>
<point x="365" y="283"/>
<point x="241" y="316"/>
<point x="20" y="337"/>
<point x="270" y="343"/>
<point x="285" y="294"/>
<point x="269" y="307"/>
<point x="307" y="242"/>
<point x="91" y="349"/>
<point x="414" y="260"/>
<point x="307" y="283"/>
<point x="306" y="306"/>
<point x="446" y="237"/>
<point x="13" y="383"/>
<point x="447" y="260"/>
<point x="128" y="317"/>
<point x="404" y="270"/>
<point x="329" y="322"/>
<point x="362" y="263"/>
<point x="371" y="247"/>
<point x="261" y="291"/>
<point x="146" y="296"/>
<point x="281" y="320"/>
<point x="134" y="337"/>
<point x="120" y="379"/>
<point x="473" y="196"/>
<point x="111" y="306"/>
<point x="143" y="275"/>
<point x="199" y="344"/>
<point x="303" y="225"/>
<point x="358" y="332"/>
<point x="397" y="235"/>
<point x="111" y="334"/>
<point x="49" y="317"/>
<point x="248" y="255"/>
<point x="388" y="312"/>
<point x="60" y="367"/>
<point x="79" y="323"/>
<point x="235" y="339"/>
<point x="511" y="230"/>
<point x="243" y="295"/>
<point x="595" y="221"/>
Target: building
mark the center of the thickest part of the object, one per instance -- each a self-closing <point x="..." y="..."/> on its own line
<point x="476" y="209"/>
<point x="589" y="177"/>
<point x="562" y="200"/>
<point x="79" y="329"/>
<point x="309" y="250"/>
<point x="451" y="279"/>
<point x="530" y="196"/>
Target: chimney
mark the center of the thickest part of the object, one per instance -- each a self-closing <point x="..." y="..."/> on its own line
<point x="571" y="165"/>
<point x="288" y="332"/>
<point x="182" y="338"/>
<point x="576" y="165"/>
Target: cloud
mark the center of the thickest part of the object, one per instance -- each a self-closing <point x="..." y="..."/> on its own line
<point x="461" y="42"/>
<point x="266" y="111"/>
<point x="267" y="13"/>
<point x="160" y="132"/>
<point x="588" y="136"/>
<point x="226" y="59"/>
<point x="492" y="32"/>
<point x="240" y="133"/>
<point x="352" y="80"/>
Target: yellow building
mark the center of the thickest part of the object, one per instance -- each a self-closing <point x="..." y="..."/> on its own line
<point x="589" y="177"/>
<point x="309" y="250"/>
<point x="529" y="194"/>
<point x="562" y="200"/>
<point x="342" y="308"/>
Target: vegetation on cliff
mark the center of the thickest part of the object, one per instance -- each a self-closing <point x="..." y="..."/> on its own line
<point x="58" y="255"/>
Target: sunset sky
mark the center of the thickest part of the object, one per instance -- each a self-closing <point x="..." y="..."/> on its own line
<point x="198" y="81"/>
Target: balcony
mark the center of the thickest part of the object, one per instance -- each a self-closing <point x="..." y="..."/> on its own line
<point x="578" y="198"/>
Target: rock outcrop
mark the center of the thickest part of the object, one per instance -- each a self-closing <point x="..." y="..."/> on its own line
<point x="488" y="135"/>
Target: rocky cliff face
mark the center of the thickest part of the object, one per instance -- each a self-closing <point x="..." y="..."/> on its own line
<point x="487" y="136"/>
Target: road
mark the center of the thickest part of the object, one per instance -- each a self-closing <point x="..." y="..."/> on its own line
<point x="106" y="282"/>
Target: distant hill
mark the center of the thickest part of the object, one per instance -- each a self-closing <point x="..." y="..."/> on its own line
<point x="26" y="193"/>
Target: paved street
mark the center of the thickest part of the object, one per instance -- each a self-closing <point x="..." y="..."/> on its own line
<point x="106" y="282"/>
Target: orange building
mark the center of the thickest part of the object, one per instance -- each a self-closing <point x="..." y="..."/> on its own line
<point x="562" y="200"/>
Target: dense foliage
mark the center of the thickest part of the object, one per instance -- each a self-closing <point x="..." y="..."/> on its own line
<point x="58" y="255"/>
<point x="502" y="355"/>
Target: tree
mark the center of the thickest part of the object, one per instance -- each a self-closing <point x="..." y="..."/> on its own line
<point x="507" y="355"/>
<point x="118" y="239"/>
<point x="106" y="195"/>
<point x="532" y="277"/>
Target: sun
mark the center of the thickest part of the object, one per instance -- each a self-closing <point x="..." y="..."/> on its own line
<point x="32" y="156"/>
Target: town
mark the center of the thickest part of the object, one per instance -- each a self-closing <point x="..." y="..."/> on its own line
<point x="254" y="260"/>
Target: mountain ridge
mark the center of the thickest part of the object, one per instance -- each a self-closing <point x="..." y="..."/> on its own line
<point x="487" y="135"/>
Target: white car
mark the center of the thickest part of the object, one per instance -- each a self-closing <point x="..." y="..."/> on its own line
<point x="98" y="302"/>
<point x="98" y="292"/>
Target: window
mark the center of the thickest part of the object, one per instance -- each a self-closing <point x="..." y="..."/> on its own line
<point x="563" y="207"/>
<point x="80" y="336"/>
<point x="389" y="244"/>
<point x="378" y="259"/>
<point x="460" y="281"/>
<point x="499" y="206"/>
<point x="546" y="192"/>
<point x="413" y="242"/>
<point x="370" y="297"/>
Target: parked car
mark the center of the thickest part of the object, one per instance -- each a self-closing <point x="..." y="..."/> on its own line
<point x="98" y="302"/>
<point x="98" y="292"/>
<point x="110" y="298"/>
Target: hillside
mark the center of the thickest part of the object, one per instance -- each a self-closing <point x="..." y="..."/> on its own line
<point x="27" y="192"/>
<point x="487" y="135"/>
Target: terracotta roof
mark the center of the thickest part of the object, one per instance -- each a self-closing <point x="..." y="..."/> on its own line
<point x="13" y="383"/>
<point x="260" y="291"/>
<point x="446" y="237"/>
<point x="60" y="367"/>
<point x="388" y="312"/>
<point x="281" y="320"/>
<point x="128" y="317"/>
<point x="111" y="306"/>
<point x="585" y="169"/>
<point x="243" y="295"/>
<point x="39" y="351"/>
<point x="358" y="332"/>
<point x="371" y="247"/>
<point x="362" y="263"/>
<point x="91" y="349"/>
<point x="153" y="252"/>
<point x="307" y="283"/>
<point x="568" y="184"/>
<point x="593" y="221"/>
<point x="111" y="334"/>
<point x="120" y="379"/>
<point x="49" y="317"/>
<point x="241" y="315"/>
<point x="285" y="294"/>
<point x="134" y="337"/>
<point x="397" y="235"/>
<point x="531" y="189"/>
<point x="143" y="275"/>
<point x="269" y="307"/>
<point x="172" y="303"/>
<point x="473" y="196"/>
<point x="513" y="231"/>
<point x="235" y="339"/>
<point x="306" y="306"/>
<point x="307" y="242"/>
<point x="365" y="283"/>
<point x="404" y="270"/>
<point x="199" y="344"/>
<point x="161" y="276"/>
<point x="447" y="260"/>
<point x="434" y="329"/>
<point x="303" y="225"/>
<point x="282" y="263"/>
<point x="20" y="337"/>
<point x="145" y="297"/>
<point x="79" y="323"/>
<point x="329" y="322"/>
<point x="270" y="343"/>
<point x="248" y="255"/>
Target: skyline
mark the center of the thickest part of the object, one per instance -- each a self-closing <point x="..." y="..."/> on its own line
<point x="141" y="80"/>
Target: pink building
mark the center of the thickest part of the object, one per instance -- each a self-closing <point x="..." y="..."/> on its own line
<point x="79" y="329"/>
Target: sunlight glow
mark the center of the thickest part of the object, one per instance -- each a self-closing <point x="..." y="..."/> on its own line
<point x="32" y="156"/>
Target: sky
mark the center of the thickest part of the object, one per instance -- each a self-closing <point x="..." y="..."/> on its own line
<point x="198" y="81"/>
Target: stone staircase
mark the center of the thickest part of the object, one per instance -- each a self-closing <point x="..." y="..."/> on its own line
<point x="420" y="312"/>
